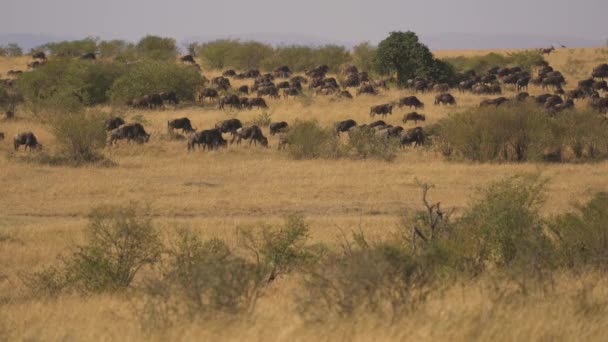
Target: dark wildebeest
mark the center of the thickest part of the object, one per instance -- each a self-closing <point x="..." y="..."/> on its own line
<point x="413" y="116"/>
<point x="494" y="102"/>
<point x="290" y="92"/>
<point x="552" y="101"/>
<point x="383" y="109"/>
<point x="367" y="89"/>
<point x="561" y="106"/>
<point x="114" y="122"/>
<point x="244" y="103"/>
<point x="600" y="85"/>
<point x="600" y="104"/>
<point x="553" y="81"/>
<point x="181" y="123"/>
<point x="415" y="136"/>
<point x="229" y="73"/>
<point x="283" y="85"/>
<point x="277" y="127"/>
<point x="299" y="79"/>
<point x="169" y="97"/>
<point x="89" y="56"/>
<point x="520" y="97"/>
<point x="283" y="71"/>
<point x="229" y="126"/>
<point x="541" y="99"/>
<point x="34" y="64"/>
<point x="270" y="91"/>
<point x="244" y="89"/>
<point x="318" y="72"/>
<point x="600" y="71"/>
<point x="39" y="55"/>
<point x="257" y="102"/>
<point x="522" y="83"/>
<point x="344" y="126"/>
<point x="209" y="138"/>
<point x="466" y="85"/>
<point x="188" y="59"/>
<point x="445" y="98"/>
<point x="588" y="83"/>
<point x="208" y="93"/>
<point x="28" y="139"/>
<point x="221" y="82"/>
<point x="345" y="94"/>
<point x="253" y="134"/>
<point x="231" y="100"/>
<point x="351" y="81"/>
<point x="377" y="123"/>
<point x="134" y="131"/>
<point x="441" y="87"/>
<point x="411" y="101"/>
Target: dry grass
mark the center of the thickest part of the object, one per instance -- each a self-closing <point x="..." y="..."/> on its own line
<point x="44" y="210"/>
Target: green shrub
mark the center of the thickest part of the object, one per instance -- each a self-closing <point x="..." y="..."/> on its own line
<point x="80" y="135"/>
<point x="157" y="48"/>
<point x="120" y="241"/>
<point x="264" y="119"/>
<point x="481" y="64"/>
<point x="308" y="140"/>
<point x="11" y="50"/>
<point x="365" y="143"/>
<point x="73" y="48"/>
<point x="149" y="77"/>
<point x="583" y="235"/>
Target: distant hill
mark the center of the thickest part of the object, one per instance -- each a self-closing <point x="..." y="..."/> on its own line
<point x="276" y="39"/>
<point x="28" y="41"/>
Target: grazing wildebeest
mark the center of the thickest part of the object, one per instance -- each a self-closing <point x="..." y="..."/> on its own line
<point x="231" y="100"/>
<point x="445" y="98"/>
<point x="466" y="85"/>
<point x="114" y="122"/>
<point x="277" y="127"/>
<point x="169" y="97"/>
<point x="299" y="79"/>
<point x="221" y="82"/>
<point x="229" y="126"/>
<point x="283" y="71"/>
<point x="600" y="85"/>
<point x="290" y="92"/>
<point x="39" y="55"/>
<point x="488" y="79"/>
<point x="561" y="106"/>
<point x="480" y="89"/>
<point x="89" y="56"/>
<point x="367" y="89"/>
<point x="283" y="85"/>
<point x="520" y="97"/>
<point x="253" y="134"/>
<point x="134" y="131"/>
<point x="244" y="103"/>
<point x="181" y="123"/>
<point x="209" y="138"/>
<point x="522" y="83"/>
<point x="377" y="123"/>
<point x="244" y="89"/>
<point x="541" y="99"/>
<point x="318" y="72"/>
<point x="494" y="102"/>
<point x="154" y="101"/>
<point x="413" y="116"/>
<point x="441" y="87"/>
<point x="208" y="93"/>
<point x="344" y="126"/>
<point x="600" y="71"/>
<point x="383" y="109"/>
<point x="345" y="94"/>
<point x="552" y="101"/>
<point x="588" y="83"/>
<point x="351" y="69"/>
<point x="600" y="104"/>
<point x="411" y="101"/>
<point x="257" y="102"/>
<point x="555" y="81"/>
<point x="28" y="139"/>
<point x="188" y="59"/>
<point x="415" y="135"/>
<point x="493" y="70"/>
<point x="270" y="91"/>
<point x="229" y="73"/>
<point x="351" y="81"/>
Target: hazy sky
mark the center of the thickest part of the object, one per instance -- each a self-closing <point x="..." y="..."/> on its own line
<point x="355" y="20"/>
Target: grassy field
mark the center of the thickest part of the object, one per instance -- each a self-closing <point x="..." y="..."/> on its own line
<point x="43" y="213"/>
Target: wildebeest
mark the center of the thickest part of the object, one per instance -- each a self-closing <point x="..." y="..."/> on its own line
<point x="114" y="122"/>
<point x="552" y="101"/>
<point x="283" y="85"/>
<point x="445" y="98"/>
<point x="290" y="92"/>
<point x="520" y="97"/>
<point x="345" y="94"/>
<point x="383" y="109"/>
<point x="28" y="139"/>
<point x="89" y="56"/>
<point x="441" y="87"/>
<point x="522" y="83"/>
<point x="318" y="72"/>
<point x="494" y="102"/>
<point x="134" y="131"/>
<point x="344" y="126"/>
<point x="257" y="102"/>
<point x="187" y="59"/>
<point x="230" y="100"/>
<point x="209" y="138"/>
<point x="277" y="127"/>
<point x="208" y="93"/>
<point x="283" y="71"/>
<point x="367" y="89"/>
<point x="555" y="81"/>
<point x="39" y="55"/>
<point x="229" y="126"/>
<point x="221" y="82"/>
<point x="253" y="134"/>
<point x="270" y="91"/>
<point x="413" y="116"/>
<point x="181" y="123"/>
<point x="561" y="106"/>
<point x="229" y="73"/>
<point x="415" y="136"/>
<point x="600" y="104"/>
<point x="244" y="89"/>
<point x="169" y="97"/>
<point x="411" y="101"/>
<point x="377" y="123"/>
<point x="600" y="71"/>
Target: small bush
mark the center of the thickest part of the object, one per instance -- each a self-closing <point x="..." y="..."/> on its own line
<point x="263" y="119"/>
<point x="308" y="140"/>
<point x="480" y="64"/>
<point x="365" y="143"/>
<point x="583" y="235"/>
<point x="150" y="77"/>
<point x="120" y="241"/>
<point x="80" y="135"/>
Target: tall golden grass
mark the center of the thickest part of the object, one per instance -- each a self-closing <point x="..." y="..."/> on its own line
<point x="43" y="211"/>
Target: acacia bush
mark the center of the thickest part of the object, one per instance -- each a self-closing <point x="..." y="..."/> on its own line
<point x="522" y="132"/>
<point x="150" y="77"/>
<point x="81" y="136"/>
<point x="309" y="140"/>
<point x="481" y="64"/>
<point x="365" y="143"/>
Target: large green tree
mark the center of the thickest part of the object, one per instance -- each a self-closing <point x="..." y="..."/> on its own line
<point x="403" y="54"/>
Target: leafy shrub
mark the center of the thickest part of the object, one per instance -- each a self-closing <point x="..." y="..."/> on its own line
<point x="521" y="133"/>
<point x="264" y="119"/>
<point x="481" y="64"/>
<point x="120" y="241"/>
<point x="583" y="235"/>
<point x="73" y="48"/>
<point x="80" y="135"/>
<point x="149" y="77"/>
<point x="365" y="143"/>
<point x="157" y="48"/>
<point x="308" y="140"/>
<point x="11" y="50"/>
